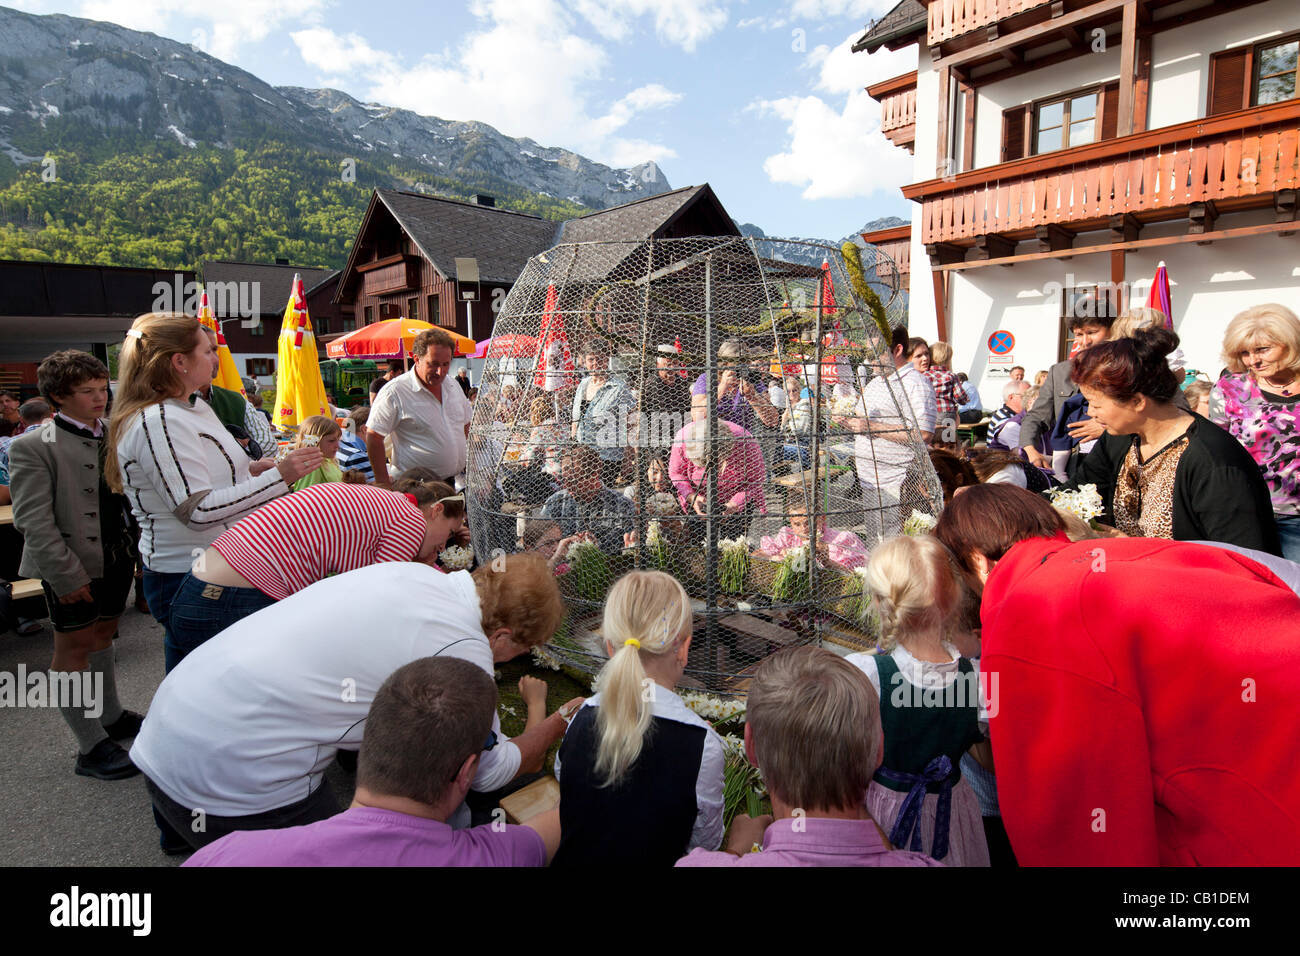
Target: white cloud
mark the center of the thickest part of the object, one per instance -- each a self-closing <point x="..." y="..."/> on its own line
<point x="226" y="26"/>
<point x="326" y="50"/>
<point x="843" y="71"/>
<point x="682" y="23"/>
<point x="820" y="9"/>
<point x="835" y="154"/>
<point x="524" y="71"/>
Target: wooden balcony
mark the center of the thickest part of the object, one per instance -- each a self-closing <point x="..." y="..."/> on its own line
<point x="897" y="98"/>
<point x="954" y="18"/>
<point x="1195" y="171"/>
<point x="895" y="242"/>
<point x="391" y="274"/>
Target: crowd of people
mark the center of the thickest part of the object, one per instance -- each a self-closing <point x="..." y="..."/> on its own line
<point x="1046" y="689"/>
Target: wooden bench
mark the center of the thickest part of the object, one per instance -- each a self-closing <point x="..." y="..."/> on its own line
<point x="26" y="588"/>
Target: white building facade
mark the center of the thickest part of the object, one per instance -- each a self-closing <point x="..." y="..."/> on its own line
<point x="1065" y="147"/>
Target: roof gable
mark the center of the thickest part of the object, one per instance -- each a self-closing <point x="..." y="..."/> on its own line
<point x="274" y="282"/>
<point x="651" y="218"/>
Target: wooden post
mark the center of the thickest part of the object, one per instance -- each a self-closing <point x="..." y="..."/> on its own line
<point x="1127" y="69"/>
<point x="943" y="159"/>
<point x="941" y="303"/>
<point x="968" y="126"/>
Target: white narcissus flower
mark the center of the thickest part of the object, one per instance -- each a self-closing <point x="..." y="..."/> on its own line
<point x="919" y="523"/>
<point x="456" y="558"/>
<point x="729" y="544"/>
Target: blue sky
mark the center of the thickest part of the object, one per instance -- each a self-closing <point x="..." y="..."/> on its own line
<point x="761" y="99"/>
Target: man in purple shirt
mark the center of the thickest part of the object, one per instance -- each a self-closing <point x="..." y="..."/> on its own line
<point x="424" y="733"/>
<point x="812" y="725"/>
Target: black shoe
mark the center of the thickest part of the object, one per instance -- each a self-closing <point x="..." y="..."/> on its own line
<point x="107" y="761"/>
<point x="177" y="849"/>
<point x="125" y="727"/>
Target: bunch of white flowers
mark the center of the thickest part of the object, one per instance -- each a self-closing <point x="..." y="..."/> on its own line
<point x="456" y="558"/>
<point x="1085" y="503"/>
<point x="797" y="558"/>
<point x="919" y="523"/>
<point x="577" y="549"/>
<point x="654" y="534"/>
<point x="544" y="658"/>
<point x="844" y="406"/>
<point x="712" y="708"/>
<point x="733" y="745"/>
<point x="734" y="544"/>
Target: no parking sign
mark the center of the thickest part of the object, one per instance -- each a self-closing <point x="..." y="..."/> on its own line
<point x="1001" y="343"/>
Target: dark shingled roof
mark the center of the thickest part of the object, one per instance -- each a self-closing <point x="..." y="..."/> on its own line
<point x="446" y="230"/>
<point x="640" y="219"/>
<point x="906" y="19"/>
<point x="276" y="282"/>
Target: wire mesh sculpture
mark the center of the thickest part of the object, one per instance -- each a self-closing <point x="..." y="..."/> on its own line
<point x="625" y="420"/>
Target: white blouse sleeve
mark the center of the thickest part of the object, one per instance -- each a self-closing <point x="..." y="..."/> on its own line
<point x="175" y="466"/>
<point x="708" y="795"/>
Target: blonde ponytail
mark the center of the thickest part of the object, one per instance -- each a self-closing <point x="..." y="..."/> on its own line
<point x="914" y="586"/>
<point x="646" y="612"/>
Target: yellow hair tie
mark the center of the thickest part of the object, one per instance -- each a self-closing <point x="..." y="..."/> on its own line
<point x="632" y="642"/>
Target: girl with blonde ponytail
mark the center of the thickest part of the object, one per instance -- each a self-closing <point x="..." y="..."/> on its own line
<point x="642" y="778"/>
<point x="933" y="705"/>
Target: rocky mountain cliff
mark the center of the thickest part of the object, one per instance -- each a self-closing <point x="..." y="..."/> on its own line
<point x="126" y="83"/>
<point x="792" y="250"/>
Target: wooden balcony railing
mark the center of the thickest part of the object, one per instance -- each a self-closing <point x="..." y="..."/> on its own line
<point x="953" y="18"/>
<point x="895" y="242"/>
<point x="897" y="98"/>
<point x="1235" y="160"/>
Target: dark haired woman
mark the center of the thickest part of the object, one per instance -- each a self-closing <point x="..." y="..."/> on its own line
<point x="1127" y="728"/>
<point x="1162" y="471"/>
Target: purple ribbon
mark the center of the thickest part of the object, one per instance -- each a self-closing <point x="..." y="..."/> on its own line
<point x="907" y="825"/>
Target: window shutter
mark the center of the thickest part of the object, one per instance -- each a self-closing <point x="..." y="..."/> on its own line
<point x="1109" y="111"/>
<point x="1015" y="126"/>
<point x="1229" y="81"/>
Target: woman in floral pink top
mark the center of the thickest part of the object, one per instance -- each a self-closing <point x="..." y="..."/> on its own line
<point x="1259" y="404"/>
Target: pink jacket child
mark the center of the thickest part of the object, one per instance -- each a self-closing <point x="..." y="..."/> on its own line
<point x="844" y="547"/>
<point x="740" y="476"/>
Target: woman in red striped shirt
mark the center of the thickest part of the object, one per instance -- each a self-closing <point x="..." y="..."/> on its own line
<point x="299" y="539"/>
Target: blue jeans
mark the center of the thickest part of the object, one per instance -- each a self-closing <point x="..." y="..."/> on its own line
<point x="160" y="589"/>
<point x="1288" y="529"/>
<point x="201" y="611"/>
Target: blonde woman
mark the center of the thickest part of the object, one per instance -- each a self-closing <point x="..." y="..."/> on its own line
<point x="642" y="780"/>
<point x="323" y="433"/>
<point x="932" y="706"/>
<point x="1259" y="405"/>
<point x="187" y="478"/>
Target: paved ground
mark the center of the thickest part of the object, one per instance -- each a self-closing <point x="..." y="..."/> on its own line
<point x="52" y="817"/>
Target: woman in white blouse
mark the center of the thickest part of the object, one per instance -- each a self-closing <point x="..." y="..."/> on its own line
<point x="186" y="477"/>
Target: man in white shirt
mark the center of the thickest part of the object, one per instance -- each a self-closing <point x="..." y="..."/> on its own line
<point x="429" y="423"/>
<point x="895" y="413"/>
<point x="244" y="728"/>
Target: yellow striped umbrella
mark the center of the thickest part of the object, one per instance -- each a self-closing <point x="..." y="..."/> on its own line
<point x="227" y="373"/>
<point x="299" y="390"/>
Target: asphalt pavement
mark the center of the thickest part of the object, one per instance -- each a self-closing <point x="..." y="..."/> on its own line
<point x="51" y="816"/>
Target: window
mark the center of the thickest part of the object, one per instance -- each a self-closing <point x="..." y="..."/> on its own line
<point x="1076" y="119"/>
<point x="349" y="323"/>
<point x="322" y="326"/>
<point x="1068" y="122"/>
<point x="433" y="316"/>
<point x="1275" y="72"/>
<point x="1256" y="75"/>
<point x="260" y="328"/>
<point x="369" y="314"/>
<point x="413" y="308"/>
<point x="260" y="366"/>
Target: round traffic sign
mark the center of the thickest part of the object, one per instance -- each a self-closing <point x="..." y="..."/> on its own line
<point x="1001" y="342"/>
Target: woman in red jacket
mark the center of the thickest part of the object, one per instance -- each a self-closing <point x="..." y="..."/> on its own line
<point x="1142" y="690"/>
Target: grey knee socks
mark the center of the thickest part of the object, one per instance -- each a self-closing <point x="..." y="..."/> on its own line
<point x="102" y="662"/>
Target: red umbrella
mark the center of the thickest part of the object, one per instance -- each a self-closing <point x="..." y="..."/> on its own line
<point x="555" y="369"/>
<point x="826" y="303"/>
<point x="826" y="290"/>
<point x="1159" y="297"/>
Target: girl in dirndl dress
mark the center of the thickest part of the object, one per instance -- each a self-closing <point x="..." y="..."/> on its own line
<point x="932" y="706"/>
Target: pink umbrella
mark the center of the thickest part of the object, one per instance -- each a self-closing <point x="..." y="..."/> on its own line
<point x="555" y="369"/>
<point x="1159" y="297"/>
<point x="507" y="346"/>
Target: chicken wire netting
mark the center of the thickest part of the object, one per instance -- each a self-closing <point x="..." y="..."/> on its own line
<point x="705" y="408"/>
